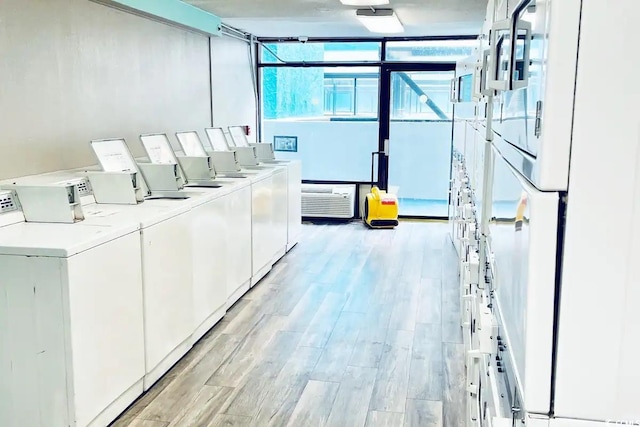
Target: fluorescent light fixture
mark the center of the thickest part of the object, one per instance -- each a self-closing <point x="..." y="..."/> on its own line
<point x="380" y="20"/>
<point x="364" y="2"/>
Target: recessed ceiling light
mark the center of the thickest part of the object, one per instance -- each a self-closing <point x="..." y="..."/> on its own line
<point x="380" y="20"/>
<point x="364" y="2"/>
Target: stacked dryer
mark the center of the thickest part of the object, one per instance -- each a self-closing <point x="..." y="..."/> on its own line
<point x="551" y="330"/>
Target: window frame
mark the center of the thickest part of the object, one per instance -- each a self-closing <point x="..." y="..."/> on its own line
<point x="385" y="67"/>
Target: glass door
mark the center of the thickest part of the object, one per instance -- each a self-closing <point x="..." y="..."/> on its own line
<point x="418" y="140"/>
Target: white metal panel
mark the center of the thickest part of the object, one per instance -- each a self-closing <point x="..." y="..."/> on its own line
<point x="294" y="200"/>
<point x="552" y="74"/>
<point x="261" y="224"/>
<point x="523" y="239"/>
<point x="168" y="293"/>
<point x="33" y="352"/>
<point x="557" y="109"/>
<point x="209" y="229"/>
<point x="478" y="171"/>
<point x="599" y="336"/>
<point x="469" y="150"/>
<point x="501" y="9"/>
<point x="238" y="239"/>
<point x="490" y="15"/>
<point x="280" y="211"/>
<point x="104" y="287"/>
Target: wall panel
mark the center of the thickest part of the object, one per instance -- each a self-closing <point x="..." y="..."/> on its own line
<point x="74" y="70"/>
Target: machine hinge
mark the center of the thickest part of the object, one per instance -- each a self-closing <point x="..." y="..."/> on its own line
<point x="538" y="128"/>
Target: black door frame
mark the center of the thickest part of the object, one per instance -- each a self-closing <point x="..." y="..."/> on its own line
<point x="385" y="107"/>
<point x="384" y="102"/>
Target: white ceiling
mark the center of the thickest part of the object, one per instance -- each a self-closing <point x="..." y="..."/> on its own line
<point x="330" y="18"/>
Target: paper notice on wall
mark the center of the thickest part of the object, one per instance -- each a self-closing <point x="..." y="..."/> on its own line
<point x="191" y="144"/>
<point x="159" y="149"/>
<point x="114" y="155"/>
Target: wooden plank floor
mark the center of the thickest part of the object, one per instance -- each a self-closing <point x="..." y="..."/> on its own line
<point x="354" y="327"/>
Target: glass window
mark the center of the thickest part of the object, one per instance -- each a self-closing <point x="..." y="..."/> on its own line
<point x="351" y="94"/>
<point x="420" y="96"/>
<point x="430" y="50"/>
<point x="274" y="53"/>
<point x="319" y="92"/>
<point x="367" y="96"/>
<point x="331" y="111"/>
<point x="341" y="93"/>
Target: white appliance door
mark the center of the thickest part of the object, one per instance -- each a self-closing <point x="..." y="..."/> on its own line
<point x="599" y="330"/>
<point x="523" y="240"/>
<point x="516" y="109"/>
<point x="537" y="118"/>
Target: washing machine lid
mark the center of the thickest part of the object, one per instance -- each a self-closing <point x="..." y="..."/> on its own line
<point x="59" y="240"/>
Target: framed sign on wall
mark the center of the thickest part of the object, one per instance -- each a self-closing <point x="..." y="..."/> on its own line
<point x="285" y="143"/>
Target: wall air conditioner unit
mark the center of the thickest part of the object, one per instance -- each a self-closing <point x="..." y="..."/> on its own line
<point x="328" y="201"/>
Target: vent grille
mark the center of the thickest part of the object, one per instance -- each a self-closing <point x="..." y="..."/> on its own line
<point x="8" y="202"/>
<point x="322" y="201"/>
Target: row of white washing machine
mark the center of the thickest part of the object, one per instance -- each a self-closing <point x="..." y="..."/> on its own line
<point x="94" y="311"/>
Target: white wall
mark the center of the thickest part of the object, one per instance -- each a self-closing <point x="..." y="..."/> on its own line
<point x="232" y="84"/>
<point x="74" y="70"/>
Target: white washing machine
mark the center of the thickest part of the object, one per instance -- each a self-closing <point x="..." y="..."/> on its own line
<point x="167" y="273"/>
<point x="287" y="188"/>
<point x="266" y="157"/>
<point x="71" y="325"/>
<point x="269" y="198"/>
<point x="220" y="221"/>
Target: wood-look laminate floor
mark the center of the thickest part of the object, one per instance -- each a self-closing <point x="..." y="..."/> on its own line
<point x="354" y="327"/>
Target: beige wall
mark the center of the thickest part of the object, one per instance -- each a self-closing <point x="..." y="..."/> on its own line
<point x="232" y="84"/>
<point x="74" y="70"/>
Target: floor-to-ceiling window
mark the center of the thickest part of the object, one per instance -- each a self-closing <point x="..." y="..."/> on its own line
<point x="321" y="103"/>
<point x="324" y="101"/>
